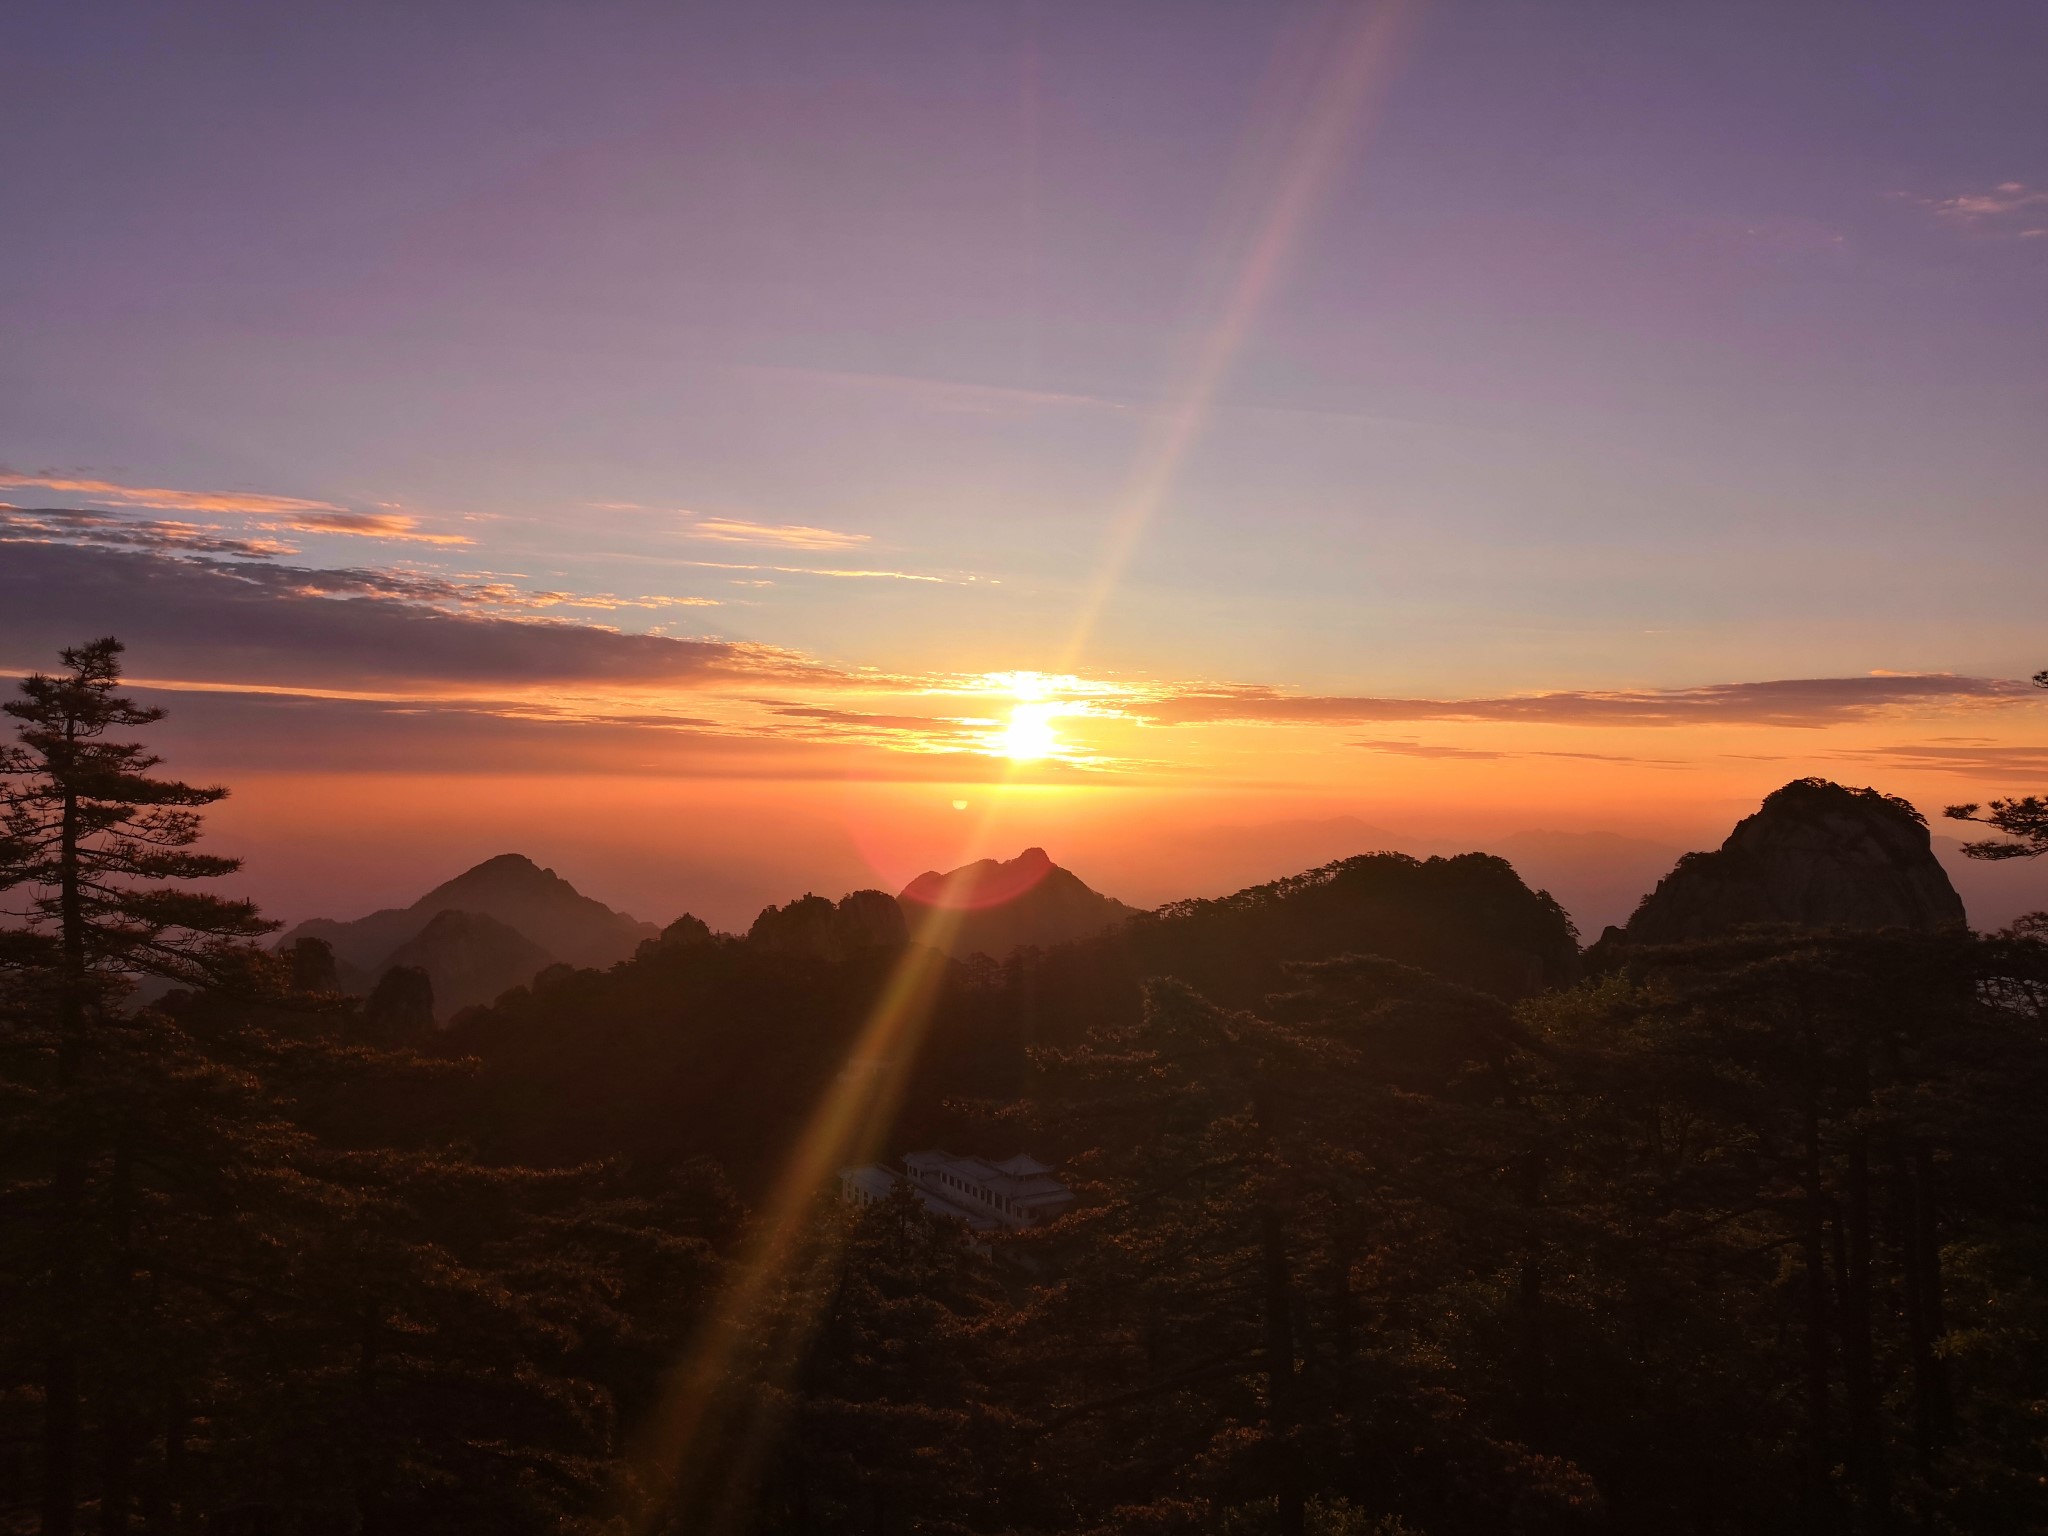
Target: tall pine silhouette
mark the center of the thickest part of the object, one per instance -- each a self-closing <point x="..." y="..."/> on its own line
<point x="102" y="850"/>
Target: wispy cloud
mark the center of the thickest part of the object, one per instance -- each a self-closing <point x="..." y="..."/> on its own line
<point x="813" y="570"/>
<point x="953" y="396"/>
<point x="119" y="530"/>
<point x="398" y="526"/>
<point x="733" y="530"/>
<point x="1801" y="702"/>
<point x="1429" y="750"/>
<point x="1433" y="750"/>
<point x="281" y="514"/>
<point x="899" y="732"/>
<point x="2010" y="208"/>
<point x="2017" y="766"/>
<point x="204" y="609"/>
<point x="114" y="530"/>
<point x="171" y="500"/>
<point x="452" y="593"/>
<point x="203" y="616"/>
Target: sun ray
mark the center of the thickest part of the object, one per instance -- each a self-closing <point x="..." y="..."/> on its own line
<point x="675" y="1461"/>
<point x="1350" y="51"/>
<point x="675" y="1458"/>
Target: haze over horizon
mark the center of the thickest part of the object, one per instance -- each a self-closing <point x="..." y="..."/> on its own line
<point x="725" y="452"/>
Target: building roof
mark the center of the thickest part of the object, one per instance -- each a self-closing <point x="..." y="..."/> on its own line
<point x="1022" y="1184"/>
<point x="874" y="1181"/>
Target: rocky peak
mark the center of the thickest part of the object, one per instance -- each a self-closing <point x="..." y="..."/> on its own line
<point x="1000" y="904"/>
<point x="985" y="882"/>
<point x="1815" y="854"/>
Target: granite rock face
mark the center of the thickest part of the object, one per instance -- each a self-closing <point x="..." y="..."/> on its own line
<point x="1815" y="854"/>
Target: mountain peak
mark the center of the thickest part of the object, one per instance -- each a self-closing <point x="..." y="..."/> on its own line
<point x="507" y="862"/>
<point x="985" y="882"/>
<point x="509" y="872"/>
<point x="509" y="888"/>
<point x="1816" y="854"/>
<point x="1005" y="903"/>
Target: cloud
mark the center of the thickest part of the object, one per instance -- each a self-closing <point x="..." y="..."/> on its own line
<point x="202" y="618"/>
<point x="231" y="733"/>
<point x="1427" y="750"/>
<point x="234" y="732"/>
<point x="733" y="530"/>
<point x="73" y="525"/>
<point x="370" y="525"/>
<point x="69" y="525"/>
<point x="2006" y="197"/>
<point x="2014" y="765"/>
<point x="812" y="570"/>
<point x="1802" y="702"/>
<point x="292" y="514"/>
<point x="911" y="733"/>
<point x="1477" y="754"/>
<point x="170" y="500"/>
<point x="952" y="396"/>
<point x="2010" y="208"/>
<point x="203" y="611"/>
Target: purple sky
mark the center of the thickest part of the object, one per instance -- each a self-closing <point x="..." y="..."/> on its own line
<point x="1616" y="317"/>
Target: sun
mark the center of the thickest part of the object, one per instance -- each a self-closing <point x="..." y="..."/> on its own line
<point x="1030" y="735"/>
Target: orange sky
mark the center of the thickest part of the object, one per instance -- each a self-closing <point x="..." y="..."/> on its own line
<point x="721" y="820"/>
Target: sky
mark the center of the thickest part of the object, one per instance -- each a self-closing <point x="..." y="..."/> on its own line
<point x="729" y="450"/>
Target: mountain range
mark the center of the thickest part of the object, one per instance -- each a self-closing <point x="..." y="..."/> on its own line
<point x="1813" y="853"/>
<point x="491" y="927"/>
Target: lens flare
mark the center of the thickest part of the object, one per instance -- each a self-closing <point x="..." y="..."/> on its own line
<point x="703" y="1447"/>
<point x="1328" y="74"/>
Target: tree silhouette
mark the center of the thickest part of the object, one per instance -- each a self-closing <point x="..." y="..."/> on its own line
<point x="101" y="848"/>
<point x="1285" y="1218"/>
<point x="2023" y="820"/>
<point x="400" y="1008"/>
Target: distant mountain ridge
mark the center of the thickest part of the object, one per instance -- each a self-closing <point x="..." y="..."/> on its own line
<point x="521" y="917"/>
<point x="470" y="958"/>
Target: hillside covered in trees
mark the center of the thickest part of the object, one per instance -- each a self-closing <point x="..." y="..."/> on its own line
<point x="1395" y="1212"/>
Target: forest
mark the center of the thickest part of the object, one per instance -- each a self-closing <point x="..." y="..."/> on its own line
<point x="1397" y="1213"/>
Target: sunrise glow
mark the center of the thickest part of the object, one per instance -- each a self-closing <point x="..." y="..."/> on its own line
<point x="1000" y="761"/>
<point x="1030" y="734"/>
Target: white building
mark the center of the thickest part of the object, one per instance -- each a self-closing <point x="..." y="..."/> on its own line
<point x="1016" y="1193"/>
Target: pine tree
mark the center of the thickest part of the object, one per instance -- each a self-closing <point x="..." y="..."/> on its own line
<point x="1780" y="1144"/>
<point x="886" y="1421"/>
<point x="2023" y="819"/>
<point x="1288" y="1218"/>
<point x="102" y="849"/>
